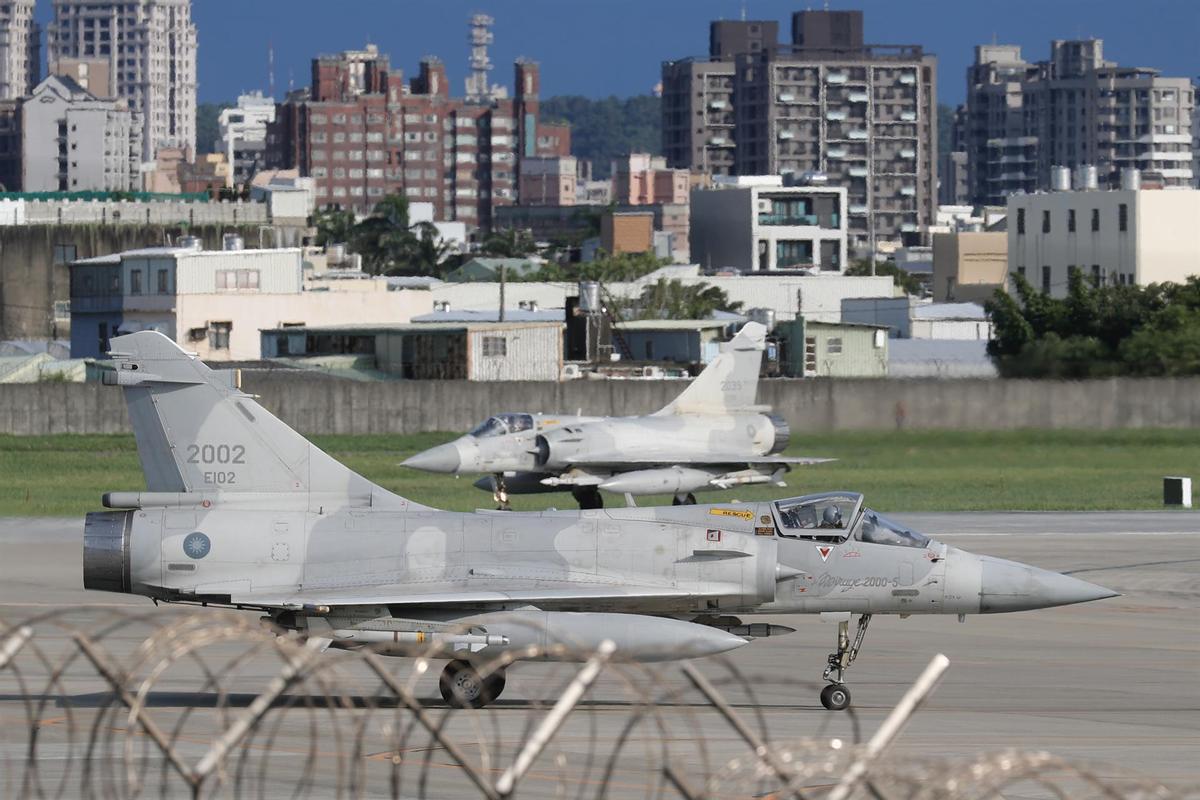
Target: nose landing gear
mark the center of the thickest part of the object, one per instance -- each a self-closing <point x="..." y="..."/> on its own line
<point x="500" y="494"/>
<point x="835" y="696"/>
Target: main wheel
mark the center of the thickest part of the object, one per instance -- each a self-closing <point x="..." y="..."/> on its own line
<point x="835" y="697"/>
<point x="462" y="686"/>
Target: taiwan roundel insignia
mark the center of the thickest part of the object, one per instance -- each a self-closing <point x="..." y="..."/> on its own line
<point x="824" y="550"/>
<point x="196" y="545"/>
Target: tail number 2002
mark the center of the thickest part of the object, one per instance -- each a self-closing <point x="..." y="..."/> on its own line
<point x="217" y="454"/>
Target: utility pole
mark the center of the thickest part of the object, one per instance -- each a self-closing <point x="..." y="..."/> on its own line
<point x="503" y="278"/>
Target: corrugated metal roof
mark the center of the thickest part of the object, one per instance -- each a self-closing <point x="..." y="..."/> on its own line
<point x="821" y="324"/>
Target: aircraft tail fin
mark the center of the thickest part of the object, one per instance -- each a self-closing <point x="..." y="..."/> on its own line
<point x="197" y="431"/>
<point x="730" y="381"/>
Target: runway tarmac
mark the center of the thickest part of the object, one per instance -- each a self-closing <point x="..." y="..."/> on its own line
<point x="1116" y="681"/>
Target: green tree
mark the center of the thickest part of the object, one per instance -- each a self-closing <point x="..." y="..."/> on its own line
<point x="673" y="299"/>
<point x="509" y="243"/>
<point x="334" y="226"/>
<point x="606" y="128"/>
<point x="208" y="126"/>
<point x="383" y="239"/>
<point x="426" y="251"/>
<point x="1096" y="331"/>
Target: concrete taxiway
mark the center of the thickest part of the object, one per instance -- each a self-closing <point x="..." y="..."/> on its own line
<point x="1116" y="681"/>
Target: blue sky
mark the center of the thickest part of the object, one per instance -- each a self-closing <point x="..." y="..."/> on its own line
<point x="616" y="46"/>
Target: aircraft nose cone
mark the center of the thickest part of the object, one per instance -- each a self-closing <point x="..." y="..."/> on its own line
<point x="443" y="458"/>
<point x="1011" y="586"/>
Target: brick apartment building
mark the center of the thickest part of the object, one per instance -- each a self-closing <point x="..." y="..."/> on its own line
<point x="363" y="134"/>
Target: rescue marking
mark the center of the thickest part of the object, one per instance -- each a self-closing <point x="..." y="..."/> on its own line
<point x="731" y="512"/>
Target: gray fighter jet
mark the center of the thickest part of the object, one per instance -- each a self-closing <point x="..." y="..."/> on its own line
<point x="241" y="511"/>
<point x="710" y="437"/>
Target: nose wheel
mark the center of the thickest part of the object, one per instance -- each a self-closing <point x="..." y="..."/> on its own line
<point x="835" y="696"/>
<point x="500" y="494"/>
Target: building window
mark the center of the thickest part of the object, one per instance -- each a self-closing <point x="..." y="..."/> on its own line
<point x="1123" y="217"/>
<point x="1046" y="280"/>
<point x="495" y="346"/>
<point x="163" y="281"/>
<point x="1020" y="222"/>
<point x="1045" y="222"/>
<point x="1021" y="271"/>
<point x="237" y="279"/>
<point x="1095" y="220"/>
<point x="218" y="335"/>
<point x="1096" y="277"/>
<point x="1071" y="221"/>
<point x="833" y="347"/>
<point x="135" y="281"/>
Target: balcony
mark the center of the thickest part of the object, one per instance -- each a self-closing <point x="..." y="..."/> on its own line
<point x="836" y="152"/>
<point x="908" y="116"/>
<point x="908" y="191"/>
<point x="857" y="135"/>
<point x="858" y="97"/>
<point x="908" y="79"/>
<point x="785" y="135"/>
<point x="835" y="116"/>
<point x="835" y="77"/>
<point x="787" y="219"/>
<point x="858" y="209"/>
<point x="787" y="97"/>
<point x="908" y="152"/>
<point x="857" y="172"/>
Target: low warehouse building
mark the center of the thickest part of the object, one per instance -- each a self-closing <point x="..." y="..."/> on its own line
<point x="834" y="349"/>
<point x="480" y="351"/>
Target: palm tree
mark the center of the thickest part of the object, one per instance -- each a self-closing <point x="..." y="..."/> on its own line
<point x="426" y="250"/>
<point x="383" y="238"/>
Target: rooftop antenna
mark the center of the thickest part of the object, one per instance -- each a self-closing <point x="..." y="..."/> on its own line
<point x="270" y="69"/>
<point x="743" y="10"/>
<point x="479" y="37"/>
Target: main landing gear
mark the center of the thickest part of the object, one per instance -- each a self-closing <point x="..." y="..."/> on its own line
<point x="688" y="499"/>
<point x="588" y="497"/>
<point x="835" y="696"/>
<point x="464" y="686"/>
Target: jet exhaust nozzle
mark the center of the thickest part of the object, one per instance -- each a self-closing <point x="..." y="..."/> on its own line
<point x="106" y="551"/>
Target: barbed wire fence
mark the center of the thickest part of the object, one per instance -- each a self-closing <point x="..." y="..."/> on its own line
<point x="112" y="704"/>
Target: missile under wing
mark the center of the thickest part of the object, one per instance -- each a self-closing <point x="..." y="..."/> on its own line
<point x="712" y="436"/>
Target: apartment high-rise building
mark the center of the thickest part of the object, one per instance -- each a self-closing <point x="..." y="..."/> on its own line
<point x="73" y="141"/>
<point x="862" y="115"/>
<point x="1074" y="109"/>
<point x="243" y="139"/>
<point x="150" y="49"/>
<point x="363" y="134"/>
<point x="20" y="49"/>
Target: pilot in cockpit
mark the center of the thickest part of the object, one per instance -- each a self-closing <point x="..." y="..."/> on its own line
<point x="831" y="517"/>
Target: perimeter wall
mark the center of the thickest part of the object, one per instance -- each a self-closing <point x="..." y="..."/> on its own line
<point x="317" y="405"/>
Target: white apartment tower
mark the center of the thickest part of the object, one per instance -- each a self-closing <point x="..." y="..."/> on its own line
<point x="20" y="56"/>
<point x="149" y="50"/>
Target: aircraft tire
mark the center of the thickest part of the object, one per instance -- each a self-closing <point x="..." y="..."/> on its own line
<point x="835" y="697"/>
<point x="462" y="686"/>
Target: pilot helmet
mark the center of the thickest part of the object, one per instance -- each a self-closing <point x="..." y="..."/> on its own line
<point x="832" y="516"/>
